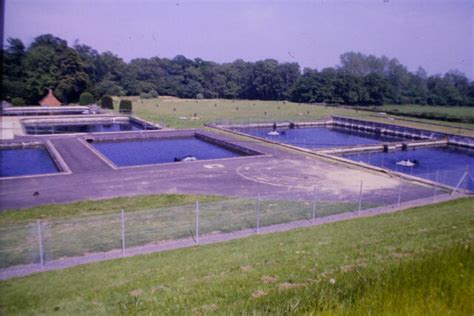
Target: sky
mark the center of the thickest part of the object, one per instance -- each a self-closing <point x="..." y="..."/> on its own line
<point x="434" y="34"/>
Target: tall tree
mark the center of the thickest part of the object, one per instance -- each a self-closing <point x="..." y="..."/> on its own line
<point x="359" y="79"/>
<point x="50" y="63"/>
<point x="13" y="73"/>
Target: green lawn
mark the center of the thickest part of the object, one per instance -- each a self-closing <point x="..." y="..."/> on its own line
<point x="99" y="207"/>
<point x="415" y="262"/>
<point x="170" y="112"/>
<point x="462" y="116"/>
<point x="456" y="111"/>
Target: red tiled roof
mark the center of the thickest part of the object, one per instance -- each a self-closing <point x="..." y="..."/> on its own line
<point x="50" y="100"/>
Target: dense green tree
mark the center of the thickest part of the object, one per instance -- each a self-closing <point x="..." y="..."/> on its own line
<point x="268" y="83"/>
<point x="41" y="72"/>
<point x="307" y="88"/>
<point x="13" y="75"/>
<point x="90" y="63"/>
<point x="290" y="73"/>
<point x="377" y="88"/>
<point x="349" y="89"/>
<point x="50" y="63"/>
<point x="109" y="87"/>
<point x="359" y="79"/>
<point x="72" y="79"/>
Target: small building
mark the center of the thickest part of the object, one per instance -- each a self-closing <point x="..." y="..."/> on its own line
<point x="50" y="100"/>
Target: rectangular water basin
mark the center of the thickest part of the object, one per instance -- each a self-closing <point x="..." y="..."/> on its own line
<point x="162" y="150"/>
<point x="26" y="161"/>
<point x="80" y="125"/>
<point x="446" y="164"/>
<point x="319" y="137"/>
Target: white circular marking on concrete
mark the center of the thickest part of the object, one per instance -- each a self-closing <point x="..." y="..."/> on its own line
<point x="213" y="166"/>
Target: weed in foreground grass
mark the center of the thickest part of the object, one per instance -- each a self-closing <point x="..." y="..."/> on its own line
<point x="440" y="283"/>
<point x="433" y="283"/>
<point x="436" y="283"/>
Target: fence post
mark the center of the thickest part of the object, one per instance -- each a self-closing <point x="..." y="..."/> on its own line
<point x="400" y="192"/>
<point x="197" y="222"/>
<point x="314" y="205"/>
<point x="40" y="243"/>
<point x="360" y="197"/>
<point x="122" y="220"/>
<point x="459" y="183"/>
<point x="258" y="212"/>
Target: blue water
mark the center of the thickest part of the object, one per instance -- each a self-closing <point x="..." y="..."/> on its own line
<point x="25" y="161"/>
<point x="320" y="137"/>
<point x="85" y="128"/>
<point x="446" y="165"/>
<point x="154" y="151"/>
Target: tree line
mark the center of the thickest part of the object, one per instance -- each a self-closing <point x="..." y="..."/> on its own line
<point x="49" y="62"/>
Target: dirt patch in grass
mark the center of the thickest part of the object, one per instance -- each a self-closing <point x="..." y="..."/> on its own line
<point x="258" y="294"/>
<point x="266" y="279"/>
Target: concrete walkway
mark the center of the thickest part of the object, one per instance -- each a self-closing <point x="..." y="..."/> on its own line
<point x="78" y="157"/>
<point x="9" y="127"/>
<point x="279" y="172"/>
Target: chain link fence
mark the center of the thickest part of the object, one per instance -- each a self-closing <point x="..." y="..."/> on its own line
<point x="48" y="240"/>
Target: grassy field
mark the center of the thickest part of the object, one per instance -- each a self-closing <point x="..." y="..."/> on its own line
<point x="417" y="262"/>
<point x="178" y="113"/>
<point x="99" y="207"/>
<point x="455" y="111"/>
<point x="443" y="115"/>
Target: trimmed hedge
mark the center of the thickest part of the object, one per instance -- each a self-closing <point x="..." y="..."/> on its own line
<point x="125" y="106"/>
<point x="107" y="102"/>
<point x="86" y="98"/>
<point x="18" y="102"/>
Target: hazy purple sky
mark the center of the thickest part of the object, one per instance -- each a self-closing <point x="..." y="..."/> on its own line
<point x="437" y="35"/>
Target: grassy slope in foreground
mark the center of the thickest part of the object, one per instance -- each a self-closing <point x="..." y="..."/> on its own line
<point x="280" y="273"/>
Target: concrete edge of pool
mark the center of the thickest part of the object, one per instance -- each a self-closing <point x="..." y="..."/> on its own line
<point x="90" y="119"/>
<point x="57" y="159"/>
<point x="396" y="174"/>
<point x="63" y="168"/>
<point x="211" y="138"/>
<point x="360" y="125"/>
<point x="44" y="110"/>
<point x="190" y="178"/>
<point x="331" y="153"/>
